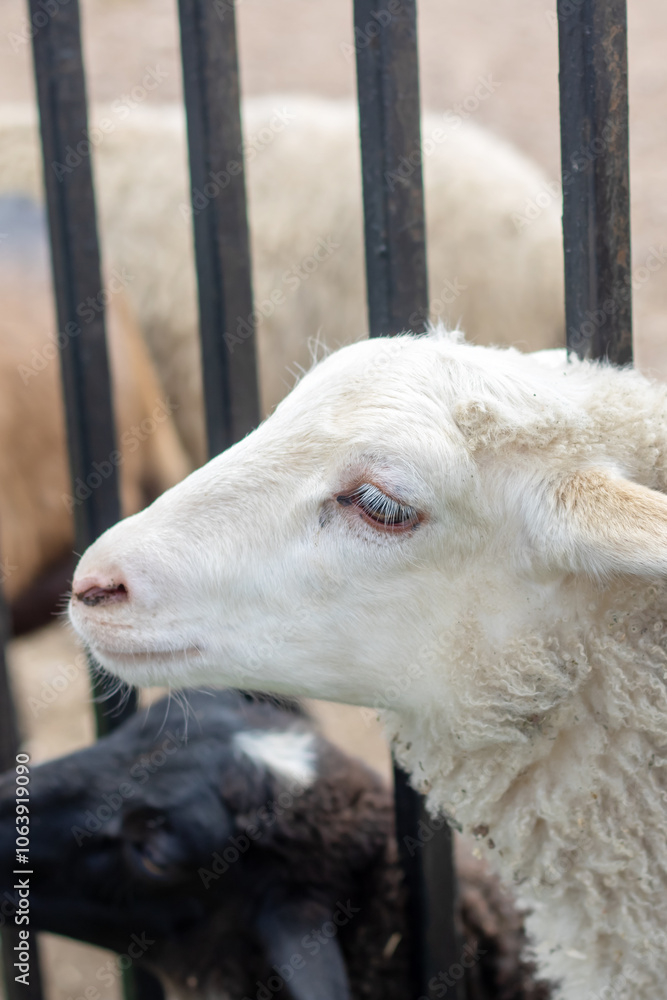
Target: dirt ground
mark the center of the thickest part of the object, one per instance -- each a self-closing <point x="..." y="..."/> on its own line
<point x="305" y="45"/>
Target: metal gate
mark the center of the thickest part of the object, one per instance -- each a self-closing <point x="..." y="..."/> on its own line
<point x="594" y="153"/>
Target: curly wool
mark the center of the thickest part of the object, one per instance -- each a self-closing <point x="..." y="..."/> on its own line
<point x="562" y="763"/>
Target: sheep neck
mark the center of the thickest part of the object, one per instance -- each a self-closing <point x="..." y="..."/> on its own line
<point x="546" y="779"/>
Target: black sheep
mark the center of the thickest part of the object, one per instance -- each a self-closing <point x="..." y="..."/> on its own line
<point x="238" y="854"/>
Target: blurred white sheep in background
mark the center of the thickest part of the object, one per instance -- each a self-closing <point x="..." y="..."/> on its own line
<point x="502" y="279"/>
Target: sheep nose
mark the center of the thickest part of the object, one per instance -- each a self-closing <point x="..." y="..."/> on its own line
<point x="92" y="591"/>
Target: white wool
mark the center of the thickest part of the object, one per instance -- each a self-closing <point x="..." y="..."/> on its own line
<point x="492" y="270"/>
<point x="515" y="639"/>
<point x="289" y="754"/>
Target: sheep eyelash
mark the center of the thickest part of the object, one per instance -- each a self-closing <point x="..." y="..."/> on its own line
<point x="380" y="510"/>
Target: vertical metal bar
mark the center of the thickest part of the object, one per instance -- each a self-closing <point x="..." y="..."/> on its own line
<point x="9" y="738"/>
<point x="427" y="855"/>
<point x="79" y="293"/>
<point x="211" y="85"/>
<point x="9" y="744"/>
<point x="80" y="299"/>
<point x="596" y="186"/>
<point x="389" y="120"/>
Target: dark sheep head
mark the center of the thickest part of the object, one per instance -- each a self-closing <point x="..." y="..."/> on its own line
<point x="246" y="849"/>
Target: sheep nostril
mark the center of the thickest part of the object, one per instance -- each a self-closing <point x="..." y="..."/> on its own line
<point x="93" y="595"/>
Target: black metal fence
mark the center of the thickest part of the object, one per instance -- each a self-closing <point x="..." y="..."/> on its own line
<point x="594" y="142"/>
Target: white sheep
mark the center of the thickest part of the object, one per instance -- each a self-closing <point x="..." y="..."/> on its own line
<point x="476" y="542"/>
<point x="490" y="267"/>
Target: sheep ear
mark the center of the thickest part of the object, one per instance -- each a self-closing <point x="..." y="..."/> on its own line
<point x="294" y="934"/>
<point x="603" y="525"/>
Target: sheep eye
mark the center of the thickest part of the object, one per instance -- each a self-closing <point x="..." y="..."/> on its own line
<point x="379" y="509"/>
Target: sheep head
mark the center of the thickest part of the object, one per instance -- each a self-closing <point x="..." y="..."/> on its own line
<point x="409" y="513"/>
<point x="210" y="848"/>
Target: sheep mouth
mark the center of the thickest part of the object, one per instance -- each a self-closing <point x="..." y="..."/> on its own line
<point x="144" y="656"/>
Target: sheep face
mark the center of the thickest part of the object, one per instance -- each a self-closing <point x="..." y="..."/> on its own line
<point x="413" y="506"/>
<point x="276" y="550"/>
